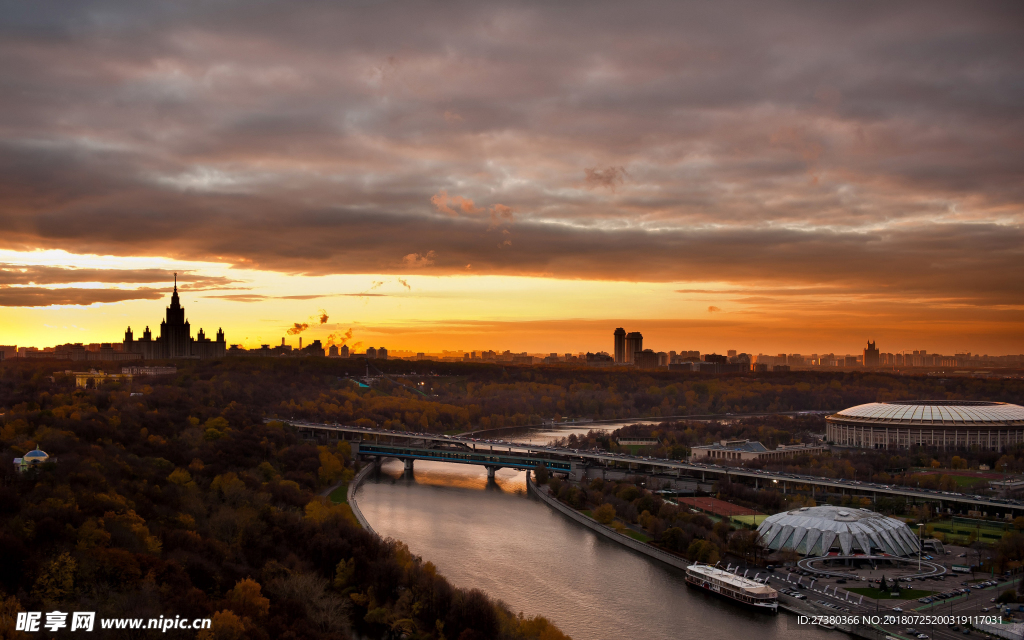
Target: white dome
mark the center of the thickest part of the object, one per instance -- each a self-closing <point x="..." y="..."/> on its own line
<point x="936" y="412"/>
<point x="818" y="531"/>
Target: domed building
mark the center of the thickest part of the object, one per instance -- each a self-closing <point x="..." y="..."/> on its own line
<point x="31" y="459"/>
<point x="943" y="424"/>
<point x="36" y="456"/>
<point x="819" y="531"/>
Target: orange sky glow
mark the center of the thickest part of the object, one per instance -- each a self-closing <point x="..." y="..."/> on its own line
<point x="798" y="179"/>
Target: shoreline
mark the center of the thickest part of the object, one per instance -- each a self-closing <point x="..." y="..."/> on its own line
<point x="795" y="607"/>
<point x="351" y="495"/>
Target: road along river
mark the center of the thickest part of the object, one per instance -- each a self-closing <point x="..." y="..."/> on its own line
<point x="515" y="548"/>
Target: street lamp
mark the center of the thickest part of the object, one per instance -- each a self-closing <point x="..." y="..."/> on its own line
<point x="920" y="544"/>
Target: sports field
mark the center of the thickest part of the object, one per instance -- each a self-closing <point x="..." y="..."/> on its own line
<point x="717" y="507"/>
<point x="753" y="520"/>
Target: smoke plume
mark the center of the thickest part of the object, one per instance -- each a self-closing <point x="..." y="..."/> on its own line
<point x="298" y="328"/>
<point x="339" y="338"/>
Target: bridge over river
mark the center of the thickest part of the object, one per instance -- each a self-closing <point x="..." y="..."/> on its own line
<point x="410" y="446"/>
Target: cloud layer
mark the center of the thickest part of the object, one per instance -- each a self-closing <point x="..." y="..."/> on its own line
<point x="865" y="149"/>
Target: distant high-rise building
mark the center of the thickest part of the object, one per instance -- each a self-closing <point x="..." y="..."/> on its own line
<point x="382" y="353"/>
<point x="175" y="339"/>
<point x="634" y="344"/>
<point x="332" y="351"/>
<point x="730" y="353"/>
<point x="646" y="359"/>
<point x="620" y="345"/>
<point x="343" y="352"/>
<point x="871" y="355"/>
<point x="371" y="353"/>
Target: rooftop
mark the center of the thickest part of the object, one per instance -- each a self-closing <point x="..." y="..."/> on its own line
<point x="734" y="445"/>
<point x="935" y="412"/>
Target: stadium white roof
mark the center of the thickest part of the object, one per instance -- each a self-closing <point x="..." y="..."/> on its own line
<point x="817" y="531"/>
<point x="935" y="412"/>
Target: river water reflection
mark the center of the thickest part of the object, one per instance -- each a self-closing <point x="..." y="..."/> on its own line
<point x="497" y="538"/>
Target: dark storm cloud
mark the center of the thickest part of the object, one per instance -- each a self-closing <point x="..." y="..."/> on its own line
<point x="41" y="275"/>
<point x="863" y="148"/>
<point x="42" y="297"/>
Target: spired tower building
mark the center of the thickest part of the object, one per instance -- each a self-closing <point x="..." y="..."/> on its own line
<point x="175" y="339"/>
<point x="871" y="358"/>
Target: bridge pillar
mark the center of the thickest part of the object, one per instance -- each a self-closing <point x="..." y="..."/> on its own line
<point x="408" y="465"/>
<point x="490" y="472"/>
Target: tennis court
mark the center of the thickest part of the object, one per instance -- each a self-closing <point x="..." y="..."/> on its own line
<point x="717" y="507"/>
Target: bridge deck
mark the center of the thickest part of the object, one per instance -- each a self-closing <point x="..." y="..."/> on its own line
<point x="464" y="457"/>
<point x="637" y="464"/>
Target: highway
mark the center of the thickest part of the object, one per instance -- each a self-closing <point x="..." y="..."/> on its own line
<point x="590" y="459"/>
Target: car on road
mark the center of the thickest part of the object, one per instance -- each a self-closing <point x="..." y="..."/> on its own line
<point x="898" y="609"/>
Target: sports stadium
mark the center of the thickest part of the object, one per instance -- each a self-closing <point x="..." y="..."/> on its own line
<point x="825" y="530"/>
<point x="942" y="424"/>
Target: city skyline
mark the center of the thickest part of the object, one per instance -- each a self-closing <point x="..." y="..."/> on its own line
<point x="174" y="340"/>
<point x="719" y="177"/>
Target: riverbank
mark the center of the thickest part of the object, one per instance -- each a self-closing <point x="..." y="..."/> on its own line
<point x="704" y="417"/>
<point x="641" y="547"/>
<point x="788" y="604"/>
<point x="351" y="495"/>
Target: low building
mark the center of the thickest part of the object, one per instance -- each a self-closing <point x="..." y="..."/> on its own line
<point x="646" y="359"/>
<point x="600" y="359"/>
<point x="30" y="459"/>
<point x="743" y="450"/>
<point x="149" y="371"/>
<point x="93" y="378"/>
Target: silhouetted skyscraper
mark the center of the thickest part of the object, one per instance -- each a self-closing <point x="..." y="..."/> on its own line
<point x="871" y="355"/>
<point x="634" y="344"/>
<point x="175" y="340"/>
<point x="620" y="345"/>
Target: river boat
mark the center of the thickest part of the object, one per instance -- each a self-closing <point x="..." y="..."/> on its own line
<point x="743" y="590"/>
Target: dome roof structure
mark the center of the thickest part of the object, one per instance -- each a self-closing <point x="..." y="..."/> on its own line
<point x="818" y="531"/>
<point x="36" y="455"/>
<point x="935" y="412"/>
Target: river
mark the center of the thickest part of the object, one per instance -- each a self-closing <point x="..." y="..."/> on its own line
<point x="515" y="548"/>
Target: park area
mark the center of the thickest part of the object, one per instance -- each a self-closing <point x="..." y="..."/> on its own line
<point x="960" y="530"/>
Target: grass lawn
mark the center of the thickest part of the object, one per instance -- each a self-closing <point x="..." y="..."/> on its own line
<point x="905" y="594"/>
<point x="588" y="513"/>
<point x="340" y="495"/>
<point x="750" y="520"/>
<point x="966" y="481"/>
<point x="960" y="532"/>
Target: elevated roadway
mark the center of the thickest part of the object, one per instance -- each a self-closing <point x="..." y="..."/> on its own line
<point x="495" y="454"/>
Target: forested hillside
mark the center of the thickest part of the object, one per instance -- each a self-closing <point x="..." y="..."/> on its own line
<point x="174" y="498"/>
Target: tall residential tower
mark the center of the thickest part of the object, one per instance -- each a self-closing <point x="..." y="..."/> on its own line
<point x="620" y="345"/>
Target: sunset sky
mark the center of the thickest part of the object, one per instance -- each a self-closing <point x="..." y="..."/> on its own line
<point x="766" y="177"/>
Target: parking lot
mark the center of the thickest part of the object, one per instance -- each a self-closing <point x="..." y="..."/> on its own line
<point x="953" y="593"/>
